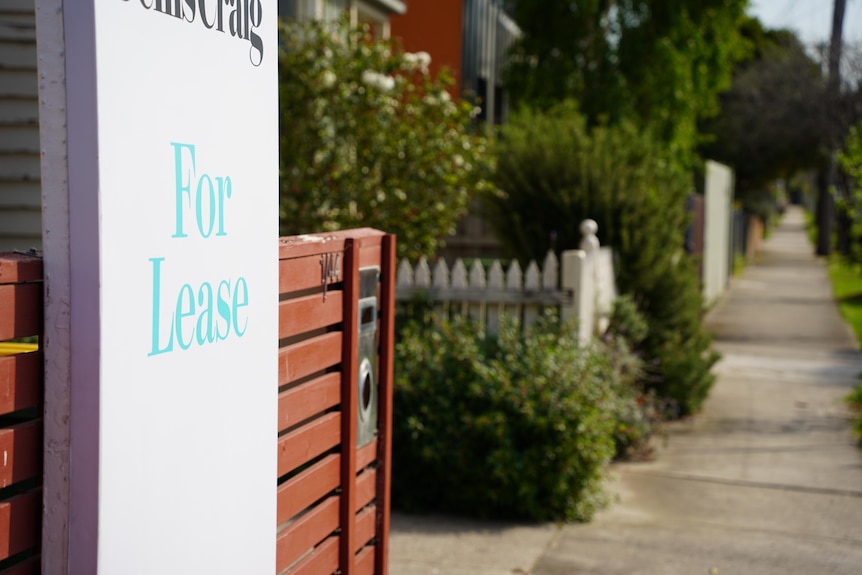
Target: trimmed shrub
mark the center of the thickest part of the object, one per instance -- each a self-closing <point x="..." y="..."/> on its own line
<point x="555" y="171"/>
<point x="508" y="426"/>
<point x="637" y="415"/>
<point x="854" y="402"/>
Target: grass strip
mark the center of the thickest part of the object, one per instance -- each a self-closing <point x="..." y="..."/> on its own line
<point x="846" y="279"/>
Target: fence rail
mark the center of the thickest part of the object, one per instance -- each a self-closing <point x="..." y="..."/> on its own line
<point x="21" y="392"/>
<point x="578" y="285"/>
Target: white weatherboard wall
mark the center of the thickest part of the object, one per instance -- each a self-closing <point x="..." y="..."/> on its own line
<point x="171" y="111"/>
<point x="716" y="236"/>
<point x="20" y="223"/>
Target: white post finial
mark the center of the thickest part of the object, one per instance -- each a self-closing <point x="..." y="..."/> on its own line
<point x="589" y="229"/>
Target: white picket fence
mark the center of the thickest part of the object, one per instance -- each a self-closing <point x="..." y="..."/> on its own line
<point x="580" y="285"/>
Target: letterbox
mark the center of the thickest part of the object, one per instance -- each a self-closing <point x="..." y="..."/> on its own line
<point x="369" y="279"/>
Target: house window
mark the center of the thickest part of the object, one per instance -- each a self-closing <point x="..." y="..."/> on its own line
<point x="376" y="20"/>
<point x="302" y="10"/>
<point x="332" y="9"/>
<point x="287" y="9"/>
<point x="362" y="12"/>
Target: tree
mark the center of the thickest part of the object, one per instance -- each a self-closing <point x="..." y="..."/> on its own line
<point x="643" y="73"/>
<point x="773" y="122"/>
<point x="369" y="138"/>
<point x="659" y="62"/>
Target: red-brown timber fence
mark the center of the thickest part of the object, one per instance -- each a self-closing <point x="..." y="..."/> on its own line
<point x="334" y="479"/>
<point x="334" y="406"/>
<point x="21" y="392"/>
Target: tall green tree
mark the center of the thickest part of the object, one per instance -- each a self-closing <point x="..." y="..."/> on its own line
<point x="773" y="122"/>
<point x="659" y="62"/>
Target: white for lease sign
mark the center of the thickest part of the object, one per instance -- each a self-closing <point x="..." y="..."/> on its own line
<point x="187" y="144"/>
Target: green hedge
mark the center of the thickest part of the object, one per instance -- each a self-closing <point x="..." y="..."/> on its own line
<point x="554" y="170"/>
<point x="512" y="426"/>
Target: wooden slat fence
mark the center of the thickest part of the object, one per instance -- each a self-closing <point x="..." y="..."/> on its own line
<point x="332" y="487"/>
<point x="21" y="392"/>
<point x="333" y="502"/>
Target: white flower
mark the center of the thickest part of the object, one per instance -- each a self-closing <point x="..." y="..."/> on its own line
<point x="445" y="97"/>
<point x="377" y="80"/>
<point x="459" y="161"/>
<point x="369" y="77"/>
<point x="417" y="60"/>
<point x="328" y="79"/>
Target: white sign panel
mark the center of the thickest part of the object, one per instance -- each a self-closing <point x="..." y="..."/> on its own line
<point x="187" y="121"/>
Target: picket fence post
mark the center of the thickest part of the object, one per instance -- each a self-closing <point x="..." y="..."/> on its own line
<point x="579" y="274"/>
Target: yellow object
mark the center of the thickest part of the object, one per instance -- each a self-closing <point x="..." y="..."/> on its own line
<point x="16" y="348"/>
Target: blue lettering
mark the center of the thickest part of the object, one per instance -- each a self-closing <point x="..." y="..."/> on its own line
<point x="157" y="294"/>
<point x="224" y="189"/>
<point x="199" y="210"/>
<point x="184" y="311"/>
<point x="223" y="310"/>
<point x="238" y="303"/>
<point x="205" y="334"/>
<point x="208" y="205"/>
<point x="193" y="320"/>
<point x="183" y="183"/>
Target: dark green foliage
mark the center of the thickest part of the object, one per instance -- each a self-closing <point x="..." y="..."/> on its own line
<point x="849" y="203"/>
<point x="660" y="63"/>
<point x="368" y="138"/>
<point x="637" y="415"/>
<point x="513" y="426"/>
<point x="854" y="401"/>
<point x="679" y="358"/>
<point x="627" y="323"/>
<point x="554" y="172"/>
<point x="773" y="120"/>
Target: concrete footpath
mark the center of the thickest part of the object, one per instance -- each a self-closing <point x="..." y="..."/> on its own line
<point x="766" y="480"/>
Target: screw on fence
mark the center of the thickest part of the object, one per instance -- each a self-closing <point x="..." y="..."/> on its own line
<point x="330" y="270"/>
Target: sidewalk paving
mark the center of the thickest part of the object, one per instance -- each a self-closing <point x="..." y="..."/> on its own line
<point x="766" y="480"/>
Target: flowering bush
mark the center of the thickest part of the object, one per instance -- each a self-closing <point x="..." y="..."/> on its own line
<point x="369" y="138"/>
<point x="514" y="425"/>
